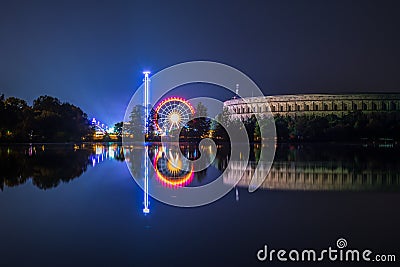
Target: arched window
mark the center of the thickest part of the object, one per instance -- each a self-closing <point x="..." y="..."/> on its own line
<point x="307" y="107"/>
<point x="326" y="107"/>
<point x="374" y="107"/>
<point x="364" y="106"/>
<point x="355" y="106"/>
<point x="384" y="106"/>
<point x="392" y="106"/>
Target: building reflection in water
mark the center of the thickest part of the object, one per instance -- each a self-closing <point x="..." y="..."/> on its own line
<point x="308" y="167"/>
<point x="332" y="168"/>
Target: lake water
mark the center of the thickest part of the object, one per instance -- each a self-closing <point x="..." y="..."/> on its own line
<point x="64" y="205"/>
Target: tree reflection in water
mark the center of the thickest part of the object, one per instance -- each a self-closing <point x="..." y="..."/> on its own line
<point x="49" y="165"/>
<point x="299" y="167"/>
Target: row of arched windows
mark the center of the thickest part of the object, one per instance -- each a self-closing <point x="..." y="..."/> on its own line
<point x="375" y="105"/>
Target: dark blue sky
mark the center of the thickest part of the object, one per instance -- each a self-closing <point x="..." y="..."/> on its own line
<point x="92" y="53"/>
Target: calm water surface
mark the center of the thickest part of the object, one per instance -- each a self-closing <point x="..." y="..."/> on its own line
<point x="64" y="205"/>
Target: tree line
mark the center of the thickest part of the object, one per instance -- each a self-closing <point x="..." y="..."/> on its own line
<point x="351" y="127"/>
<point x="47" y="120"/>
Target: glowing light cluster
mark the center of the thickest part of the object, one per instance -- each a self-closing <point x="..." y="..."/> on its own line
<point x="174" y="168"/>
<point x="146" y="98"/>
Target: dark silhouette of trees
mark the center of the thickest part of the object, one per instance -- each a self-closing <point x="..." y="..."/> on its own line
<point x="56" y="121"/>
<point x="198" y="127"/>
<point x="48" y="120"/>
<point x="46" y="167"/>
<point x="16" y="119"/>
<point x="352" y="127"/>
<point x="220" y="134"/>
<point x="135" y="127"/>
<point x="118" y="128"/>
<point x="152" y="128"/>
<point x="251" y="125"/>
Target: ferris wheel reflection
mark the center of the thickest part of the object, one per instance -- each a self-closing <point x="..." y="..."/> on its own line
<point x="172" y="172"/>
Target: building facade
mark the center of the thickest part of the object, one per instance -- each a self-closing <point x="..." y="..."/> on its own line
<point x="313" y="104"/>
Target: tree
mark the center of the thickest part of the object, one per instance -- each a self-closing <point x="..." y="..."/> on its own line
<point x="250" y="125"/>
<point x="265" y="125"/>
<point x="47" y="120"/>
<point x="151" y="126"/>
<point x="16" y="115"/>
<point x="47" y="111"/>
<point x="282" y="129"/>
<point x="198" y="127"/>
<point x="224" y="118"/>
<point x="135" y="126"/>
<point x="56" y="121"/>
<point x="118" y="128"/>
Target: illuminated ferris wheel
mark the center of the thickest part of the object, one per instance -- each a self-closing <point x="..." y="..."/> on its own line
<point x="172" y="113"/>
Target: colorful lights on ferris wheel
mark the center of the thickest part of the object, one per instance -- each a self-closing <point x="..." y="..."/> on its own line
<point x="172" y="113"/>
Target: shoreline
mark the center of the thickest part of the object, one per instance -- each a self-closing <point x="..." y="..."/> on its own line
<point x="381" y="143"/>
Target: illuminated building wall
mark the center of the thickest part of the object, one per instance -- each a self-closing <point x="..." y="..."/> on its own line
<point x="313" y="104"/>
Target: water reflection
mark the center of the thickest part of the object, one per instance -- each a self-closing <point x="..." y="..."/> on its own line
<point x="146" y="202"/>
<point x="326" y="167"/>
<point x="49" y="165"/>
<point x="101" y="152"/>
<point x="172" y="172"/>
<point x="304" y="167"/>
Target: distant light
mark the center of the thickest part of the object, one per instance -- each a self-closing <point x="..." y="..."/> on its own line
<point x="146" y="72"/>
<point x="146" y="210"/>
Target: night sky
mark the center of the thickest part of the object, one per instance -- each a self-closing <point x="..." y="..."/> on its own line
<point x="92" y="53"/>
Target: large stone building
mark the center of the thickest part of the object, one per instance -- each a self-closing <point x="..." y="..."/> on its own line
<point x="313" y="104"/>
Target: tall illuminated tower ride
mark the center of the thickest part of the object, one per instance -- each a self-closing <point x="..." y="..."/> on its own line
<point x="146" y="99"/>
<point x="146" y="104"/>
